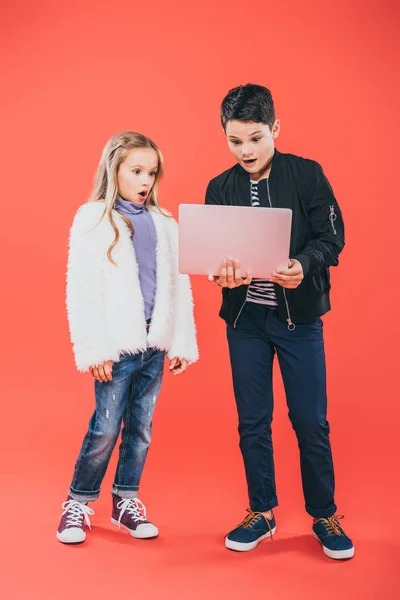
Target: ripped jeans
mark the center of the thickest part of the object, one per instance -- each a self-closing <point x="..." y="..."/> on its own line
<point x="129" y="398"/>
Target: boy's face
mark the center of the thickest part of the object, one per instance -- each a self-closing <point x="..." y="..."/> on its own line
<point x="252" y="144"/>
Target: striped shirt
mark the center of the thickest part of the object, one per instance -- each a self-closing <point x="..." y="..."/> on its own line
<point x="260" y="291"/>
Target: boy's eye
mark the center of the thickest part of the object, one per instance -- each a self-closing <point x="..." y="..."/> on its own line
<point x="256" y="139"/>
<point x="236" y="142"/>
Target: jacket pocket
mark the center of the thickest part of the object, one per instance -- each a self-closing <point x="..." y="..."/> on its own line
<point x="321" y="281"/>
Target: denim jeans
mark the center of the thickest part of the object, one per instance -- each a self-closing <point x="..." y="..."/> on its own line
<point x="129" y="398"/>
<point x="252" y="345"/>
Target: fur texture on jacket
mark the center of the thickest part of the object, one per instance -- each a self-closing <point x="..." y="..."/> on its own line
<point x="104" y="302"/>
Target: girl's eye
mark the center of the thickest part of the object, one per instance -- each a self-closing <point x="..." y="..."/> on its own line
<point x="153" y="173"/>
<point x="136" y="171"/>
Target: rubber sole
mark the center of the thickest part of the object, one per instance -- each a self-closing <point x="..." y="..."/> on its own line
<point x="133" y="533"/>
<point x="243" y="547"/>
<point x="336" y="554"/>
<point x="70" y="541"/>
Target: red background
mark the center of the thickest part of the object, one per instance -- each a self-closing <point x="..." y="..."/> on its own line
<point x="73" y="75"/>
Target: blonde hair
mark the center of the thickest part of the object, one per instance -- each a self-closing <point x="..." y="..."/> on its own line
<point x="105" y="182"/>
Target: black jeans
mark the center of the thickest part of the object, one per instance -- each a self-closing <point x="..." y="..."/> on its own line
<point x="252" y="346"/>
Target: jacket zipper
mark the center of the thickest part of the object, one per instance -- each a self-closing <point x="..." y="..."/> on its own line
<point x="269" y="195"/>
<point x="291" y="325"/>
<point x="332" y="218"/>
<point x="242" y="307"/>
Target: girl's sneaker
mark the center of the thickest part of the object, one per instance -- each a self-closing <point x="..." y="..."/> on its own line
<point x="130" y="514"/>
<point x="335" y="543"/>
<point x="74" y="519"/>
<point x="254" y="528"/>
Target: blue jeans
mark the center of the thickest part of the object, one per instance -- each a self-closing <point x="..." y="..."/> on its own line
<point x="252" y="345"/>
<point x="129" y="398"/>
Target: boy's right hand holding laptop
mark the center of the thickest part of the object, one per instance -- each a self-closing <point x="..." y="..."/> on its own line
<point x="230" y="275"/>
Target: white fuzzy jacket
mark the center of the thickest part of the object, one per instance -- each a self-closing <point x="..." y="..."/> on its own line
<point x="104" y="302"/>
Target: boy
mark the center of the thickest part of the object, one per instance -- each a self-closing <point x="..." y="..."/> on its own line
<point x="282" y="315"/>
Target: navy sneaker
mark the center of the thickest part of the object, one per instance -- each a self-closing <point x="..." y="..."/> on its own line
<point x="250" y="532"/>
<point x="335" y="542"/>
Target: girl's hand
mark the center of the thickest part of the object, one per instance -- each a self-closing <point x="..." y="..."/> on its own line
<point x="103" y="372"/>
<point x="178" y="365"/>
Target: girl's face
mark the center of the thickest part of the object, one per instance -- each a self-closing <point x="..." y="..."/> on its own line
<point x="136" y="175"/>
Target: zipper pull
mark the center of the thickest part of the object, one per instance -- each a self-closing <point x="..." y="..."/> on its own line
<point x="332" y="217"/>
<point x="291" y="326"/>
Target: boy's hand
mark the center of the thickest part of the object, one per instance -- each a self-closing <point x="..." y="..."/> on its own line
<point x="102" y="372"/>
<point x="231" y="275"/>
<point x="291" y="277"/>
<point x="178" y="365"/>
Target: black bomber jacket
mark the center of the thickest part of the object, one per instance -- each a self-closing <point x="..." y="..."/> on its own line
<point x="317" y="235"/>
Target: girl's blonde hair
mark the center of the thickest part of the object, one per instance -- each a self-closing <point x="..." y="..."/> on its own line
<point x="105" y="182"/>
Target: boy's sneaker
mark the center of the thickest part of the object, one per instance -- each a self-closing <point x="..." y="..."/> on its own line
<point x="130" y="514"/>
<point x="335" y="542"/>
<point x="250" y="532"/>
<point x="74" y="519"/>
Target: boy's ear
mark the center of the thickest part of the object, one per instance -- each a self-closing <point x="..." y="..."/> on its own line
<point x="276" y="127"/>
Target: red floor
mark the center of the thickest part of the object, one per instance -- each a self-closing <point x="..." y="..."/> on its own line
<point x="189" y="559"/>
<point x="193" y="507"/>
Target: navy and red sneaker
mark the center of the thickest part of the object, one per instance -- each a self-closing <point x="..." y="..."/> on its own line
<point x="335" y="543"/>
<point x="249" y="533"/>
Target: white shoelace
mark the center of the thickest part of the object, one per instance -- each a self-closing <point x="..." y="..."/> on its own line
<point x="131" y="506"/>
<point x="76" y="510"/>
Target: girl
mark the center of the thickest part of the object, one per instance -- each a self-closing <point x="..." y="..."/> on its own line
<point x="127" y="306"/>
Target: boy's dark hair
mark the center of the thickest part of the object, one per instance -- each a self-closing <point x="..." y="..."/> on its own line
<point x="248" y="102"/>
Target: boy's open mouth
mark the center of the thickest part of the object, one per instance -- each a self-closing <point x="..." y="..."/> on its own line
<point x="249" y="161"/>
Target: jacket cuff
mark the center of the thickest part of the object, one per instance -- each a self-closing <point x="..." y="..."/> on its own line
<point x="92" y="357"/>
<point x="305" y="262"/>
<point x="189" y="353"/>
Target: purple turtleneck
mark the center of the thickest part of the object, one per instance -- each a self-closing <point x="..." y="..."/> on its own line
<point x="144" y="242"/>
